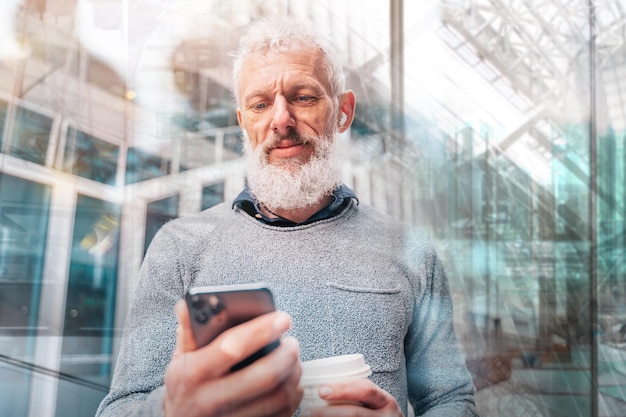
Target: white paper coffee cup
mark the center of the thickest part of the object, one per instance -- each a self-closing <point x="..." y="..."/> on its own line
<point x="329" y="370"/>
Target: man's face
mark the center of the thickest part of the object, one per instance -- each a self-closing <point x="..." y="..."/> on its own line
<point x="286" y="105"/>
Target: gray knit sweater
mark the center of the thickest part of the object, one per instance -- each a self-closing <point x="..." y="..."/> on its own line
<point x="358" y="282"/>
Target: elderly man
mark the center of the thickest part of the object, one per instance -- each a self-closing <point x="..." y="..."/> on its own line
<point x="346" y="278"/>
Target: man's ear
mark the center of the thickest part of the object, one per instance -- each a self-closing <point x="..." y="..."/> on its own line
<point x="239" y="118"/>
<point x="347" y="105"/>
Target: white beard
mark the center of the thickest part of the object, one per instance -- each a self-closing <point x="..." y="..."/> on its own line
<point x="292" y="184"/>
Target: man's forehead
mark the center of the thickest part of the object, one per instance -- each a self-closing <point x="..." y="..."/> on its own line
<point x="261" y="67"/>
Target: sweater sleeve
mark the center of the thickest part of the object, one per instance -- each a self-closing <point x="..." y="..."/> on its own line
<point x="149" y="335"/>
<point x="438" y="381"/>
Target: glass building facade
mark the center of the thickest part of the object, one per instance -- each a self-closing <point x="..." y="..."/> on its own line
<point x="499" y="127"/>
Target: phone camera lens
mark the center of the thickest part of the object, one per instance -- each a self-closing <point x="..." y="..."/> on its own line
<point x="197" y="302"/>
<point x="201" y="316"/>
<point x="216" y="305"/>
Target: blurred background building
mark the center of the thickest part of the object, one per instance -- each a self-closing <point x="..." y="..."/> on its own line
<point x="498" y="126"/>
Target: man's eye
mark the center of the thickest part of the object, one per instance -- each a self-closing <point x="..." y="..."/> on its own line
<point x="259" y="106"/>
<point x="304" y="99"/>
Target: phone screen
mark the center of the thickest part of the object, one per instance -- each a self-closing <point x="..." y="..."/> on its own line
<point x="214" y="309"/>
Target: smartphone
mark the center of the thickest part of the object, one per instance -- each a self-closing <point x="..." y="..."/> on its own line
<point x="214" y="309"/>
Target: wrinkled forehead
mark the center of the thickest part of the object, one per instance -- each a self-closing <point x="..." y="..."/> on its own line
<point x="298" y="61"/>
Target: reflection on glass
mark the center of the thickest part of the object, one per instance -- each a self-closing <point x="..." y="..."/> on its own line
<point x="499" y="178"/>
<point x="141" y="166"/>
<point x="219" y="116"/>
<point x="30" y="136"/>
<point x="212" y="195"/>
<point x="234" y="143"/>
<point x="231" y="143"/>
<point x="513" y="216"/>
<point x="371" y="119"/>
<point x="3" y="117"/>
<point x="517" y="249"/>
<point x="24" y="208"/>
<point x="90" y="304"/>
<point x="90" y="157"/>
<point x="91" y="288"/>
<point x="611" y="226"/>
<point x="159" y="212"/>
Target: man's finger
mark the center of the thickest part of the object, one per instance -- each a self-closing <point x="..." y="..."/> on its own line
<point x="184" y="336"/>
<point x="248" y="386"/>
<point x="237" y="343"/>
<point x="360" y="391"/>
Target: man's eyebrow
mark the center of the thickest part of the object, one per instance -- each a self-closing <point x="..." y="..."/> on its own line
<point x="256" y="93"/>
<point x="316" y="87"/>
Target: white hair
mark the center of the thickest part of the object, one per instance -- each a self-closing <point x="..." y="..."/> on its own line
<point x="281" y="36"/>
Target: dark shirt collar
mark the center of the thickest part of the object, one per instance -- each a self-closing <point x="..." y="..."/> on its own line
<point x="342" y="196"/>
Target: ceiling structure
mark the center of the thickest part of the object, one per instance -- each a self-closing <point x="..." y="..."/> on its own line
<point x="557" y="62"/>
<point x="534" y="54"/>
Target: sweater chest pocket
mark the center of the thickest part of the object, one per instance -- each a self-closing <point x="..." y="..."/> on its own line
<point x="371" y="321"/>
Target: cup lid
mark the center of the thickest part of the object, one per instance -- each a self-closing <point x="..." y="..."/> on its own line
<point x="334" y="369"/>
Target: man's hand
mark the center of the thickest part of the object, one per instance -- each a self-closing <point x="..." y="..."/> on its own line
<point x="199" y="382"/>
<point x="357" y="398"/>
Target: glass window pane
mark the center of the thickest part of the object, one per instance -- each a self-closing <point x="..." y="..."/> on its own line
<point x="505" y="191"/>
<point x="159" y="212"/>
<point x="212" y="195"/>
<point x="3" y="117"/>
<point x="90" y="157"/>
<point x="15" y="383"/>
<point x="141" y="166"/>
<point x="233" y="144"/>
<point x="90" y="304"/>
<point x="611" y="227"/>
<point x="30" y="136"/>
<point x="24" y="208"/>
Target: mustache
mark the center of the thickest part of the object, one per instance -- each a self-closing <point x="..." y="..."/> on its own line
<point x="297" y="138"/>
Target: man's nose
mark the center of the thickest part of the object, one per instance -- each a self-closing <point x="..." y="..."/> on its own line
<point x="282" y="119"/>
